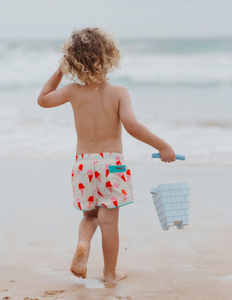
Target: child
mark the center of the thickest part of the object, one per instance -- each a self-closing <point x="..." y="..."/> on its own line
<point x="101" y="178"/>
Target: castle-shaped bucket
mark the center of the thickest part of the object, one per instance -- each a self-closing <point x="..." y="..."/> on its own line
<point x="171" y="200"/>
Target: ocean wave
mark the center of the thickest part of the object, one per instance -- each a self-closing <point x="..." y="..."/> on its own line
<point x="132" y="82"/>
<point x="175" y="46"/>
<point x="130" y="45"/>
<point x="207" y="123"/>
<point x="28" y="64"/>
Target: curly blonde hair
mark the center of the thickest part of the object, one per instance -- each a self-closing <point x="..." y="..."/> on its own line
<point x="89" y="55"/>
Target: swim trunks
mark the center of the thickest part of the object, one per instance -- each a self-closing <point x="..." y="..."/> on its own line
<point x="101" y="180"/>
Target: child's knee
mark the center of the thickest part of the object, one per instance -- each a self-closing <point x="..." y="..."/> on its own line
<point x="108" y="222"/>
<point x="108" y="217"/>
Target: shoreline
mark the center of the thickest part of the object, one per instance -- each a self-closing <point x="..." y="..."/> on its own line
<point x="147" y="162"/>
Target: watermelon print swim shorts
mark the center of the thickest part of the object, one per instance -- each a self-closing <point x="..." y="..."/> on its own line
<point x="101" y="180"/>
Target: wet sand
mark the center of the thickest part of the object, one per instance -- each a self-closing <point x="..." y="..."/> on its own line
<point x="39" y="229"/>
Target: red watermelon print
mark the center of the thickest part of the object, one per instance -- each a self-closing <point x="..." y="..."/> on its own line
<point x="114" y="200"/>
<point x="81" y="188"/>
<point x="97" y="175"/>
<point x="90" y="200"/>
<point x="109" y="186"/>
<point x="118" y="162"/>
<point x="80" y="168"/>
<point x="124" y="195"/>
<point x="123" y="178"/>
<point x="101" y="155"/>
<point x="99" y="193"/>
<point x="78" y="202"/>
<point x="90" y="174"/>
<point x="107" y="169"/>
<point x="128" y="174"/>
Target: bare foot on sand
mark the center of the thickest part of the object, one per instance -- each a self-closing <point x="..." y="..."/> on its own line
<point x="78" y="266"/>
<point x="118" y="276"/>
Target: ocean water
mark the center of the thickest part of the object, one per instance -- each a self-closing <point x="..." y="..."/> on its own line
<point x="180" y="89"/>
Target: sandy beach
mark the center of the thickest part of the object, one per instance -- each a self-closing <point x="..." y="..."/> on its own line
<point x="39" y="228"/>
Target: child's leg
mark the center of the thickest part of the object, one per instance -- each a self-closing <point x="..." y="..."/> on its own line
<point x="108" y="221"/>
<point x="87" y="228"/>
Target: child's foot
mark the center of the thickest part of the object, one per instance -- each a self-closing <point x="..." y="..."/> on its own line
<point x="118" y="276"/>
<point x="78" y="266"/>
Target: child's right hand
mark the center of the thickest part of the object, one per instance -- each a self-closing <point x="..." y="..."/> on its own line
<point x="167" y="154"/>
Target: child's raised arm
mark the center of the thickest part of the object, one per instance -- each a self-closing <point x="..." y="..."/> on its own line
<point x="49" y="96"/>
<point x="139" y="131"/>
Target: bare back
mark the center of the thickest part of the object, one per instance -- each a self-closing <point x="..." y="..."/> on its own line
<point x="96" y="116"/>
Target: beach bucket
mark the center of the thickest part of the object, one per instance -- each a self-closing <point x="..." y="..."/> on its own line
<point x="171" y="200"/>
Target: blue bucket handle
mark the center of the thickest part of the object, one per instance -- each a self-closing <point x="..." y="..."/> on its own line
<point x="178" y="156"/>
<point x="157" y="155"/>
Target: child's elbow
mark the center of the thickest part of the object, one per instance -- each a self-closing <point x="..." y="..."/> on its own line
<point x="132" y="128"/>
<point x="41" y="102"/>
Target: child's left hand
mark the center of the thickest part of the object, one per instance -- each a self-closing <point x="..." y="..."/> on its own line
<point x="60" y="69"/>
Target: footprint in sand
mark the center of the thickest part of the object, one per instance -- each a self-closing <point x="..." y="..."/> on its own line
<point x="52" y="293"/>
<point x="78" y="266"/>
<point x="119" y="297"/>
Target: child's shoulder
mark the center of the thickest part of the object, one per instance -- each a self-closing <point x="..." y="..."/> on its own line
<point x="119" y="88"/>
